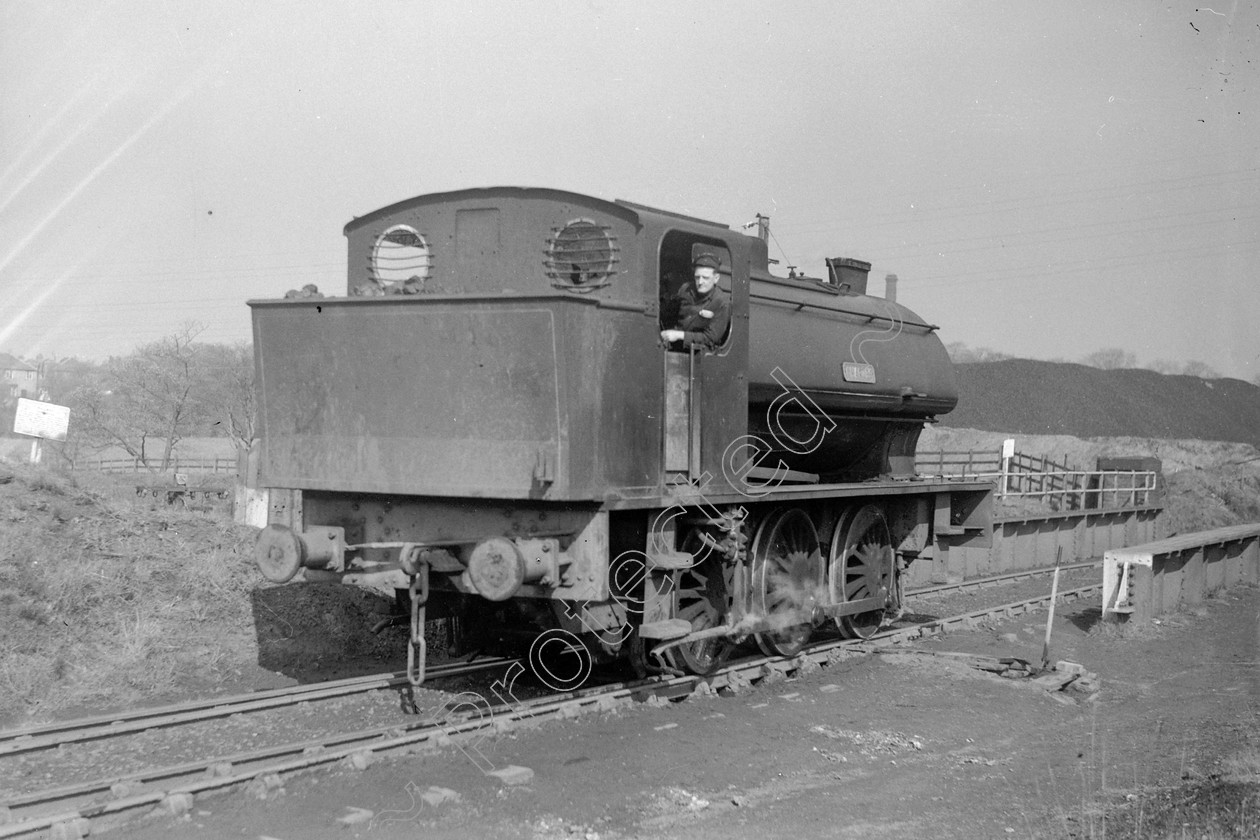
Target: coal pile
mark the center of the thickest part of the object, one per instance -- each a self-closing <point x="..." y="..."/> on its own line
<point x="1052" y="398"/>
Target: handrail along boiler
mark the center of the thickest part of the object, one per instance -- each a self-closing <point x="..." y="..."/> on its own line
<point x="489" y="420"/>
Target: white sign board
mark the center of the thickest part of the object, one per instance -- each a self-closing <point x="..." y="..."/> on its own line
<point x="855" y="372"/>
<point x="41" y="419"/>
<point x="1008" y="448"/>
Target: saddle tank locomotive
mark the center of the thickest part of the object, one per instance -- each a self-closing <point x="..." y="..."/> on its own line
<point x="488" y="422"/>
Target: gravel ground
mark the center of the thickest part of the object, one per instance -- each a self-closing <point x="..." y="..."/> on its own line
<point x="901" y="746"/>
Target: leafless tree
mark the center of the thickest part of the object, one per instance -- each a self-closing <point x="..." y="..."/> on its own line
<point x="228" y="391"/>
<point x="1111" y="358"/>
<point x="148" y="395"/>
<point x="62" y="380"/>
<point x="1165" y="366"/>
<point x="1200" y="369"/>
<point x="1191" y="368"/>
<point x="960" y="353"/>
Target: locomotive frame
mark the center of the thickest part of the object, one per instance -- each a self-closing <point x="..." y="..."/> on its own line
<point x="489" y="421"/>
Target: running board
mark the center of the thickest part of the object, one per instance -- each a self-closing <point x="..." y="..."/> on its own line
<point x="781" y="475"/>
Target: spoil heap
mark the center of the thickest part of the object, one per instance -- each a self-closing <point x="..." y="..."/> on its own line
<point x="1050" y="398"/>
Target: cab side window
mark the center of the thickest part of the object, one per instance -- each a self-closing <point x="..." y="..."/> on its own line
<point x="678" y="255"/>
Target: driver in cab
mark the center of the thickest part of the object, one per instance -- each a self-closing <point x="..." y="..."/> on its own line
<point x="704" y="313"/>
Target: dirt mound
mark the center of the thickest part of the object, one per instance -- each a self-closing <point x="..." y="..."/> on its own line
<point x="1203" y="499"/>
<point x="109" y="599"/>
<point x="1050" y="398"/>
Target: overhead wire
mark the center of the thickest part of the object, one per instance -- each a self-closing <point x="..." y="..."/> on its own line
<point x="929" y="206"/>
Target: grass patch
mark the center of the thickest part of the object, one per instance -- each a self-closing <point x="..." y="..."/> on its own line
<point x="1209" y="809"/>
<point x="109" y="600"/>
<point x="1123" y="630"/>
<point x="1223" y="805"/>
<point x="103" y="595"/>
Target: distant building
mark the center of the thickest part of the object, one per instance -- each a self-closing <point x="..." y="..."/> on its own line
<point x="17" y="379"/>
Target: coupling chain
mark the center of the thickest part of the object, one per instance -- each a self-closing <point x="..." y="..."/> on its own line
<point x="419" y="591"/>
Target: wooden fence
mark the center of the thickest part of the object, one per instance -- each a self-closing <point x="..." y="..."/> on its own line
<point x="1040" y="476"/>
<point x="959" y="463"/>
<point x="135" y="465"/>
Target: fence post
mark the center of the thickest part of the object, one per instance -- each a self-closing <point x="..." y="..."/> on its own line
<point x="1008" y="452"/>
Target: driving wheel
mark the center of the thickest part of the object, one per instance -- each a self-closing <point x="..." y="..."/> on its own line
<point x="861" y="566"/>
<point x="703" y="591"/>
<point x="787" y="578"/>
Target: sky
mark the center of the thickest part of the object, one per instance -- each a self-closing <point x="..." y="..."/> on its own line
<point x="1046" y="179"/>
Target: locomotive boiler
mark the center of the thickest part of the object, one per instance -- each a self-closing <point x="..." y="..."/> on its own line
<point x="489" y="421"/>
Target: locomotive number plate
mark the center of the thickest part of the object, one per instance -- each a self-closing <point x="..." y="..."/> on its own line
<point x="854" y="372"/>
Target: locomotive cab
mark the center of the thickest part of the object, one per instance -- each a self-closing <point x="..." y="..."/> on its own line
<point x="679" y="253"/>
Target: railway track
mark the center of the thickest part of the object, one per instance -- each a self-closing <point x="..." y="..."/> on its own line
<point x="998" y="580"/>
<point x="74" y="809"/>
<point x="55" y="735"/>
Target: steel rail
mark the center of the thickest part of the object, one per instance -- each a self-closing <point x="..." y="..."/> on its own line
<point x="217" y="773"/>
<point x="1009" y="577"/>
<point x="51" y="736"/>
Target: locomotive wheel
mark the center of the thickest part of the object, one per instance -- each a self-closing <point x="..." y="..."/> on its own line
<point x="787" y="577"/>
<point x="703" y="593"/>
<point x="861" y="562"/>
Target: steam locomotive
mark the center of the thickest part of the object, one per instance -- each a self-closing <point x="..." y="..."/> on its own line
<point x="490" y="423"/>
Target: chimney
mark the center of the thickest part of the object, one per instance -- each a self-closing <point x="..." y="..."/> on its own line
<point x="848" y="274"/>
<point x="890" y="287"/>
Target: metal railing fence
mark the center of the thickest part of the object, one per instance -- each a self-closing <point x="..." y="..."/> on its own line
<point x="1043" y="478"/>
